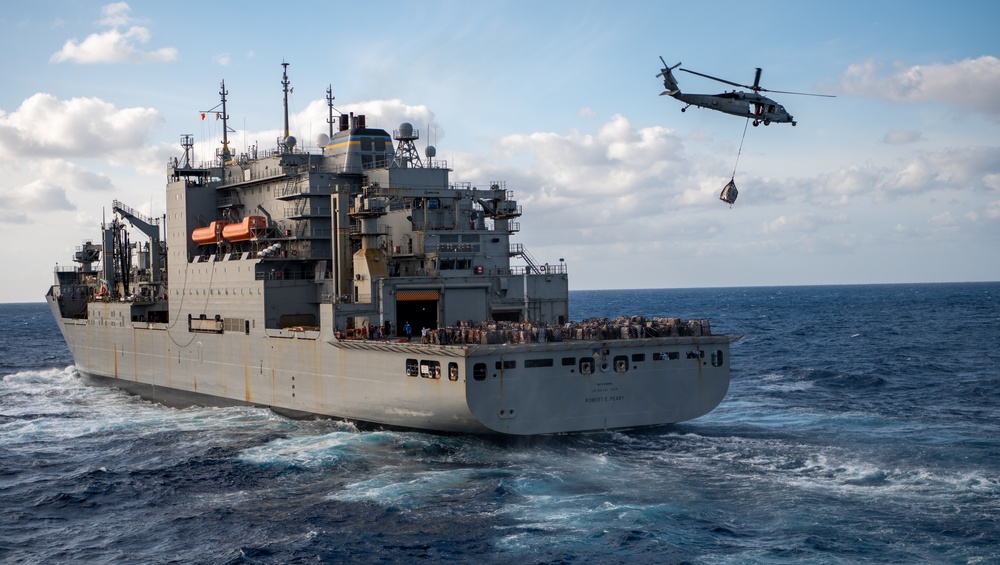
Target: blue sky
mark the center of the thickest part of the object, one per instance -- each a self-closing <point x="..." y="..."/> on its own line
<point x="897" y="179"/>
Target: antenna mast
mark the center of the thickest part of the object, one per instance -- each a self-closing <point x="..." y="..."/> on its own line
<point x="284" y="84"/>
<point x="329" y="104"/>
<point x="225" y="127"/>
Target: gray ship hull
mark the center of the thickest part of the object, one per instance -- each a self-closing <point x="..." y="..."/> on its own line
<point x="527" y="389"/>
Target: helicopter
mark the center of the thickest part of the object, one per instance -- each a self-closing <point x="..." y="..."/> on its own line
<point x="738" y="103"/>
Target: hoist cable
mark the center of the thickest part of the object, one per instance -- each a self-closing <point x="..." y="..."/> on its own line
<point x="741" y="147"/>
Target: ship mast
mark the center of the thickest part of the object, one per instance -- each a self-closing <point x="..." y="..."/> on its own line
<point x="284" y="85"/>
<point x="329" y="105"/>
<point x="225" y="127"/>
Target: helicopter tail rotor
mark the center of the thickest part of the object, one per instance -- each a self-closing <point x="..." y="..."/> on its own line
<point x="669" y="82"/>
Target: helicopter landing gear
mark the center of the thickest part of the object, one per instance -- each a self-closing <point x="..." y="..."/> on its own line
<point x="767" y="122"/>
<point x="756" y="123"/>
<point x="793" y="124"/>
<point x="685" y="108"/>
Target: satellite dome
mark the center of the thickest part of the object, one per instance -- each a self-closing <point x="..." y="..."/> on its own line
<point x="406" y="129"/>
<point x="290" y="141"/>
<point x="430" y="152"/>
<point x="322" y="140"/>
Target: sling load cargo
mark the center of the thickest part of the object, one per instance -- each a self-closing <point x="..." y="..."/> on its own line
<point x="729" y="192"/>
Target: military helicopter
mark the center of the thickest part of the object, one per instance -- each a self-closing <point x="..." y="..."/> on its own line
<point x="746" y="104"/>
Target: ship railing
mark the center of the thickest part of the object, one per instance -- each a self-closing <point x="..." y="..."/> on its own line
<point x="517" y="249"/>
<point x="543" y="269"/>
<point x="134" y="213"/>
<point x="66" y="269"/>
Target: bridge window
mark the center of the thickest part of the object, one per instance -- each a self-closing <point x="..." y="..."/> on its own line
<point x="532" y="363"/>
<point x="412" y="368"/>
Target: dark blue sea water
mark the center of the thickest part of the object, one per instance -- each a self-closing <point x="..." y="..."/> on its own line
<point x="862" y="425"/>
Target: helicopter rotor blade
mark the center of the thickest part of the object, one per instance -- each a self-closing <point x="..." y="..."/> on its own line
<point x="756" y="84"/>
<point x="797" y="93"/>
<point x="717" y="79"/>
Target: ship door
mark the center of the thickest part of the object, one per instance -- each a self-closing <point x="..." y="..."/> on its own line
<point x="419" y="308"/>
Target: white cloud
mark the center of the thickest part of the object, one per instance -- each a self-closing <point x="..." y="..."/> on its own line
<point x="40" y="195"/>
<point x="114" y="45"/>
<point x="116" y="14"/>
<point x="992" y="210"/>
<point x="970" y="83"/>
<point x="46" y="127"/>
<point x="222" y="59"/>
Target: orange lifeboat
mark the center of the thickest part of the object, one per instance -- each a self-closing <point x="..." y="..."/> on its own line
<point x="209" y="235"/>
<point x="249" y="228"/>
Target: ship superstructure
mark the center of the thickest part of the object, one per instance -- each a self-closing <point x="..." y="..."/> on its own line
<point x="357" y="280"/>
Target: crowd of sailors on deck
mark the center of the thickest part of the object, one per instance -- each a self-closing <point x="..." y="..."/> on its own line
<point x="501" y="332"/>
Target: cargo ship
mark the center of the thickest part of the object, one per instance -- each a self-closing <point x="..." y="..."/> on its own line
<point x="355" y="280"/>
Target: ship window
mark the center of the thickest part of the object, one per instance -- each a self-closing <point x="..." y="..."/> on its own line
<point x="452" y="371"/>
<point x="638" y="357"/>
<point x="366" y="144"/>
<point x="586" y="366"/>
<point x="717" y="358"/>
<point x="430" y="369"/>
<point x="670" y="355"/>
<point x="412" y="369"/>
<point x="479" y="371"/>
<point x="532" y="363"/>
<point x="621" y="364"/>
<point x="568" y="361"/>
<point x="506" y="365"/>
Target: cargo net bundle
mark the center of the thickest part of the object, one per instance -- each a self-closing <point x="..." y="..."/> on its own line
<point x="591" y="329"/>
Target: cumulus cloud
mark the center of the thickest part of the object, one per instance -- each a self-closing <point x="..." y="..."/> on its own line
<point x="617" y="191"/>
<point x="970" y="83"/>
<point x="44" y="126"/>
<point x="124" y="41"/>
<point x="41" y="195"/>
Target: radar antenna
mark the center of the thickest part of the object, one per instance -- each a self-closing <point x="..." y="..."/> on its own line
<point x="406" y="153"/>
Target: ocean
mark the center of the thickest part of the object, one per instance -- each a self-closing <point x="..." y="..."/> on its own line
<point x="862" y="425"/>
